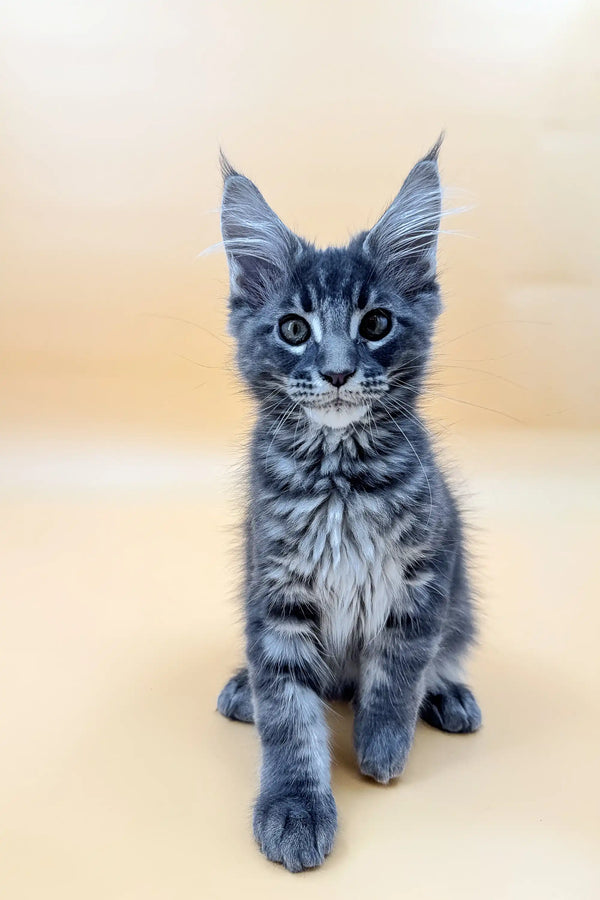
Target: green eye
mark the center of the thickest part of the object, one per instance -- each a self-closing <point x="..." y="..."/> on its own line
<point x="375" y="324"/>
<point x="294" y="330"/>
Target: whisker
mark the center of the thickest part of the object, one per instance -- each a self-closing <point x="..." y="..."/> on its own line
<point x="498" y="412"/>
<point x="493" y="325"/>
<point x="187" y="322"/>
<point x="201" y="365"/>
<point x="411" y="445"/>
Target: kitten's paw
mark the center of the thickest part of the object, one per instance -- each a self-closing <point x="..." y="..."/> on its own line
<point x="453" y="708"/>
<point x="235" y="700"/>
<point x="382" y="749"/>
<point x="296" y="829"/>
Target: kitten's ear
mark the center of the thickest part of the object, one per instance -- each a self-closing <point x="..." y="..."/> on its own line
<point x="408" y="230"/>
<point x="259" y="247"/>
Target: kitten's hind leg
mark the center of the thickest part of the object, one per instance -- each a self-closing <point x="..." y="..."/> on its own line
<point x="448" y="703"/>
<point x="451" y="706"/>
<point x="235" y="700"/>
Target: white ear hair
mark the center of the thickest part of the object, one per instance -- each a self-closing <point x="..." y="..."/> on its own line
<point x="259" y="247"/>
<point x="408" y="230"/>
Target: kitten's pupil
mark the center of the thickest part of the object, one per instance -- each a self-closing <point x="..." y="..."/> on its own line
<point x="375" y="324"/>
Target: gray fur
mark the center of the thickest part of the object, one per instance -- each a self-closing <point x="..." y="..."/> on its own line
<point x="356" y="584"/>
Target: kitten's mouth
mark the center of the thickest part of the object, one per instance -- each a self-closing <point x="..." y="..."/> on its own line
<point x="336" y="413"/>
<point x="337" y="403"/>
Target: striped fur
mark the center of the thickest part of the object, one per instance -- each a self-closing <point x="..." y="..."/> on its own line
<point x="356" y="585"/>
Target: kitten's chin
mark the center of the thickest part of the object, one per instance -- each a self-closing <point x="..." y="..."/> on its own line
<point x="335" y="416"/>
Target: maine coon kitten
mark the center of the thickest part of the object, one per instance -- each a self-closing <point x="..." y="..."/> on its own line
<point x="356" y="585"/>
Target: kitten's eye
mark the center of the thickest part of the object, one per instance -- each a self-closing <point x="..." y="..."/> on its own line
<point x="294" y="330"/>
<point x="375" y="324"/>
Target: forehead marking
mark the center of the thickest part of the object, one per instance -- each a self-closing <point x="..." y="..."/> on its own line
<point x="364" y="295"/>
<point x="307" y="300"/>
<point x="315" y="325"/>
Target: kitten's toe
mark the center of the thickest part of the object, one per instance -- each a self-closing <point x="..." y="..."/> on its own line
<point x="452" y="708"/>
<point x="382" y="750"/>
<point x="295" y="829"/>
<point x="235" y="700"/>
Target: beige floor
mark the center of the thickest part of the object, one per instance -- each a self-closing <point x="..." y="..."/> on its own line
<point x="120" y="781"/>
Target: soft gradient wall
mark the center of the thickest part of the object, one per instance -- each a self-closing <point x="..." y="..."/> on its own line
<point x="120" y="417"/>
<point x="113" y="114"/>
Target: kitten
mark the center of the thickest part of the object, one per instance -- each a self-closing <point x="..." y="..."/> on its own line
<point x="356" y="585"/>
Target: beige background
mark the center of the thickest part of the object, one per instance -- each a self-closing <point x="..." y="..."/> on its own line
<point x="121" y="418"/>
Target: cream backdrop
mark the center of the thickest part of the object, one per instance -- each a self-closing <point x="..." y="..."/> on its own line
<point x="114" y="112"/>
<point x="119" y="418"/>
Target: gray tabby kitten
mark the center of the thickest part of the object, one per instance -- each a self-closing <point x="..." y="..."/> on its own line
<point x="356" y="586"/>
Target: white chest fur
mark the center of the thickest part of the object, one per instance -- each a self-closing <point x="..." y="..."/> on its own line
<point x="356" y="578"/>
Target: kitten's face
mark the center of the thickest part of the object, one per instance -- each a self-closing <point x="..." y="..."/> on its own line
<point x="339" y="335"/>
<point x="335" y="330"/>
<point x="334" y="337"/>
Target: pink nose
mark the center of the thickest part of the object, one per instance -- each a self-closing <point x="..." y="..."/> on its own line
<point x="337" y="379"/>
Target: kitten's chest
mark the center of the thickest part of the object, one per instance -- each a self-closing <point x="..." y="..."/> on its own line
<point x="355" y="568"/>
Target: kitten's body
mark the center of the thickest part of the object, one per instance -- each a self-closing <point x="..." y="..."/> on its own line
<point x="355" y="576"/>
<point x="356" y="541"/>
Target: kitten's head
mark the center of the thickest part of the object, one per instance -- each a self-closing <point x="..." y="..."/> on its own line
<point x="334" y="330"/>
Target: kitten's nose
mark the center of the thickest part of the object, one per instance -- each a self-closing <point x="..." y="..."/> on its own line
<point x="337" y="379"/>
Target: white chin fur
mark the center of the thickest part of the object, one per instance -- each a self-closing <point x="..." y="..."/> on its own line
<point x="332" y="417"/>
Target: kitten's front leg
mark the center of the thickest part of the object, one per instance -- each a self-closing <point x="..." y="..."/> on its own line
<point x="295" y="815"/>
<point x="391" y="686"/>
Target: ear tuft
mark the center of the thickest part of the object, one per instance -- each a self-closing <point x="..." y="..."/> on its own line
<point x="435" y="150"/>
<point x="227" y="169"/>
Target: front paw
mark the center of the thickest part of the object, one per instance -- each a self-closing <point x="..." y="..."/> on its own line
<point x="382" y="749"/>
<point x="295" y="827"/>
